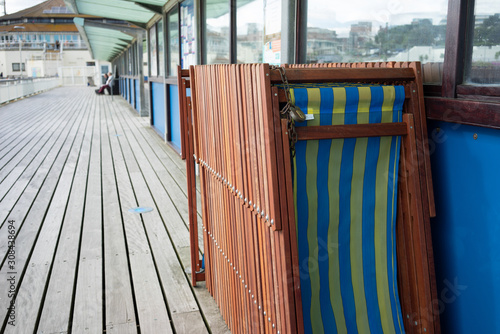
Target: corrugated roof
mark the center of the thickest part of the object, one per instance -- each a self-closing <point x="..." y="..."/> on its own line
<point x="138" y="13"/>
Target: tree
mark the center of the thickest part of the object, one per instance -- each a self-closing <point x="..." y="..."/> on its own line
<point x="488" y="33"/>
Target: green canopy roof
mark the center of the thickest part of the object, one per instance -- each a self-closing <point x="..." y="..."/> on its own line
<point x="107" y="43"/>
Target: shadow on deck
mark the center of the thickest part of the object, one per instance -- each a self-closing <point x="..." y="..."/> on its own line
<point x="72" y="165"/>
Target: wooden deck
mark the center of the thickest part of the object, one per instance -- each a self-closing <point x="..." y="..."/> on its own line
<point x="72" y="164"/>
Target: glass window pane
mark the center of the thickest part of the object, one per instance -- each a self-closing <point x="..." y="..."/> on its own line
<point x="145" y="57"/>
<point x="378" y="30"/>
<point x="173" y="41"/>
<point x="485" y="65"/>
<point x="153" y="51"/>
<point x="161" y="49"/>
<point x="188" y="39"/>
<point x="217" y="32"/>
<point x="250" y="24"/>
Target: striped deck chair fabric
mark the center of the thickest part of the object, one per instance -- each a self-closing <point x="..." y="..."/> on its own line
<point x="345" y="193"/>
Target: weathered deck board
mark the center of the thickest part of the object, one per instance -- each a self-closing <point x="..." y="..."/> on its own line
<point x="56" y="310"/>
<point x="40" y="259"/>
<point x="84" y="264"/>
<point x="88" y="300"/>
<point x="119" y="306"/>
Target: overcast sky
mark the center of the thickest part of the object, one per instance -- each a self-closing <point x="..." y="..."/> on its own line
<point x="339" y="14"/>
<point x="13" y="6"/>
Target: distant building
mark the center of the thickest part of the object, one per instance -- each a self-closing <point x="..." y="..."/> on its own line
<point x="39" y="40"/>
<point x="323" y="45"/>
<point x="250" y="44"/>
<point x="360" y="34"/>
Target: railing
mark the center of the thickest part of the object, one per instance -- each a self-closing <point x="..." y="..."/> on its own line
<point x="79" y="75"/>
<point x="11" y="89"/>
<point x="65" y="45"/>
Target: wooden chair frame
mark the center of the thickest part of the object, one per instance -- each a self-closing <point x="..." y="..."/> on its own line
<point x="416" y="277"/>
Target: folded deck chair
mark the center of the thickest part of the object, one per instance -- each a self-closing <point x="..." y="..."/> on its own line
<point x="345" y="203"/>
<point x="312" y="244"/>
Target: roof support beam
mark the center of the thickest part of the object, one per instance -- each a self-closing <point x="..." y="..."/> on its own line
<point x="83" y="33"/>
<point x="153" y="8"/>
<point x="131" y="31"/>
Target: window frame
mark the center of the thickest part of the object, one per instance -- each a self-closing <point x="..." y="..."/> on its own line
<point x="167" y="46"/>
<point x="20" y="68"/>
<point x="454" y="100"/>
<point x="232" y="31"/>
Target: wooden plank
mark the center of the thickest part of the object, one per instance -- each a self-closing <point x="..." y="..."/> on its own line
<point x="30" y="293"/>
<point x="30" y="137"/>
<point x="88" y="304"/>
<point x="19" y="130"/>
<point x="31" y="281"/>
<point x="155" y="230"/>
<point x="351" y="131"/>
<point x="191" y="184"/>
<point x="15" y="162"/>
<point x="172" y="197"/>
<point x="150" y="303"/>
<point x="70" y="274"/>
<point x="8" y="206"/>
<point x="118" y="290"/>
<point x="299" y="75"/>
<point x="463" y="111"/>
<point x="168" y="174"/>
<point x="22" y="117"/>
<point x="56" y="311"/>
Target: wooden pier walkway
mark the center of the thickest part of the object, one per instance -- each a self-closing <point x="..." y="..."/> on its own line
<point x="72" y="256"/>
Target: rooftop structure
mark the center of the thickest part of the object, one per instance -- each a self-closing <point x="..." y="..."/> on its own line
<point x="36" y="41"/>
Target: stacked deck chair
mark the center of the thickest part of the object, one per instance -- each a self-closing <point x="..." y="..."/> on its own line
<point x="316" y="196"/>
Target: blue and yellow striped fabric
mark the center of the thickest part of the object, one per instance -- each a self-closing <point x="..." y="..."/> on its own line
<point x="345" y="194"/>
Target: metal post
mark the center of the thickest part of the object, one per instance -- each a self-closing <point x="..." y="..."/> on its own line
<point x="140" y="60"/>
<point x="288" y="16"/>
<point x="21" y="56"/>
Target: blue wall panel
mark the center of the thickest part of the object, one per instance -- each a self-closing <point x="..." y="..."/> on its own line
<point x="158" y="109"/>
<point x="132" y="92"/>
<point x="128" y="91"/>
<point x="137" y="95"/>
<point x="175" y="123"/>
<point x="466" y="231"/>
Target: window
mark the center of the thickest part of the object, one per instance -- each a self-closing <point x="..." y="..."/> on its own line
<point x="153" y="51"/>
<point x="250" y="24"/>
<point x="217" y="32"/>
<point x="188" y="39"/>
<point x="15" y="67"/>
<point x="173" y="41"/>
<point x="483" y="66"/>
<point x="377" y="31"/>
<point x="161" y="48"/>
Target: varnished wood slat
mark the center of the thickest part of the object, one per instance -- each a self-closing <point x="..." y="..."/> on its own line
<point x="303" y="75"/>
<point x="350" y="131"/>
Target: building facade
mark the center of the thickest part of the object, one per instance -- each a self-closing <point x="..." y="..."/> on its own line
<point x="43" y="41"/>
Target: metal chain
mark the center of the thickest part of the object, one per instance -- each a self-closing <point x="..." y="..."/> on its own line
<point x="289" y="110"/>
